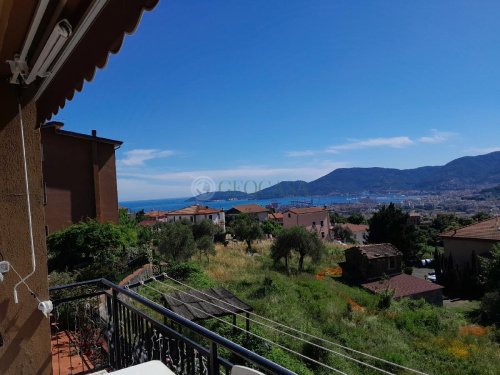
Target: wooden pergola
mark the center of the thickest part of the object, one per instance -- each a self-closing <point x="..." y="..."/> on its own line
<point x="206" y="304"/>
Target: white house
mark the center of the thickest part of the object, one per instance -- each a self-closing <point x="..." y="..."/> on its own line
<point x="198" y="213"/>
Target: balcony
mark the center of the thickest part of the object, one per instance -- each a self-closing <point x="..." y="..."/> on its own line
<point x="100" y="326"/>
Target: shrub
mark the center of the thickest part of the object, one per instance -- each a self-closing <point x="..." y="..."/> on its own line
<point x="408" y="270"/>
<point x="182" y="271"/>
<point x="176" y="242"/>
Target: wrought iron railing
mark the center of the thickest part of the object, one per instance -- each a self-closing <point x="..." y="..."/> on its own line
<point x="100" y="325"/>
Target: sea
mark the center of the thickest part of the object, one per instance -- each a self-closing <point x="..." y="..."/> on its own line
<point x="170" y="204"/>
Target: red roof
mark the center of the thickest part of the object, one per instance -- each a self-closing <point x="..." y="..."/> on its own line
<point x="484" y="230"/>
<point x="250" y="208"/>
<point x="155" y="213"/>
<point x="378" y="250"/>
<point x="355" y="227"/>
<point x="194" y="210"/>
<point x="403" y="285"/>
<point x="307" y="210"/>
<point x="147" y="223"/>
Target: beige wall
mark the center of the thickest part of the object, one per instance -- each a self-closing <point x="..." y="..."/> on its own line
<point x="461" y="249"/>
<point x="307" y="221"/>
<point x="24" y="329"/>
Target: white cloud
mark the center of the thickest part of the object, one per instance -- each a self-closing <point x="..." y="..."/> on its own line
<point x="392" y="142"/>
<point x="437" y="137"/>
<point x="134" y="158"/>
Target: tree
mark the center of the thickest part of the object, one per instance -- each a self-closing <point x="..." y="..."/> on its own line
<point x="343" y="234"/>
<point x="357" y="218"/>
<point x="444" y="222"/>
<point x="390" y="224"/>
<point x="204" y="228"/>
<point x="124" y="217"/>
<point x="490" y="278"/>
<point x="175" y="241"/>
<point x="97" y="249"/>
<point x="203" y="234"/>
<point x="300" y="240"/>
<point x="205" y="246"/>
<point x="481" y="216"/>
<point x="336" y="218"/>
<point x="246" y="229"/>
<point x="140" y="216"/>
<point x="271" y="227"/>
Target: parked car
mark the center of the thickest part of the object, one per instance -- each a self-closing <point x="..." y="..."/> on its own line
<point x="431" y="276"/>
<point x="426" y="262"/>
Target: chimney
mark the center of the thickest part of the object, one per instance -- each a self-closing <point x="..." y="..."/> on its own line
<point x="94" y="133"/>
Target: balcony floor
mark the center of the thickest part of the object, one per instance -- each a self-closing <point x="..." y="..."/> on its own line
<point x="65" y="360"/>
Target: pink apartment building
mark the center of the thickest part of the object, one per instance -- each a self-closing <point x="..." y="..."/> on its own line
<point x="314" y="219"/>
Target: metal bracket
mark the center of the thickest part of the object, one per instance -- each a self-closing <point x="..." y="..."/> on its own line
<point x="18" y="68"/>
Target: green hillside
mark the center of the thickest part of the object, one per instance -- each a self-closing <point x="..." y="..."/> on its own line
<point x="411" y="333"/>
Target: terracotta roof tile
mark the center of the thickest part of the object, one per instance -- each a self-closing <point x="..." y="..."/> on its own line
<point x="355" y="227"/>
<point x="484" y="230"/>
<point x="307" y="210"/>
<point x="250" y="208"/>
<point x="147" y="223"/>
<point x="155" y="214"/>
<point x="194" y="210"/>
<point x="379" y="250"/>
<point x="403" y="285"/>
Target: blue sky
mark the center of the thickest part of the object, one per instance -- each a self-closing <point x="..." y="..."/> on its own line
<point x="264" y="91"/>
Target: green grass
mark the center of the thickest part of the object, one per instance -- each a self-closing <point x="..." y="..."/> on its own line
<point x="411" y="333"/>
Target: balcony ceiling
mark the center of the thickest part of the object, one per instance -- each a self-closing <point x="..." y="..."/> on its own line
<point x="105" y="36"/>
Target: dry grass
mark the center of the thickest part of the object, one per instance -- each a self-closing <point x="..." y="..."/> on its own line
<point x="233" y="263"/>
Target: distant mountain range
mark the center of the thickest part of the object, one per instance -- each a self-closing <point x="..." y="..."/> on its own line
<point x="469" y="172"/>
<point x="219" y="196"/>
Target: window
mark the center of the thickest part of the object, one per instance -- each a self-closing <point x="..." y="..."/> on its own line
<point x="192" y="219"/>
<point x="321" y="223"/>
<point x="210" y="217"/>
<point x="322" y="234"/>
<point x="392" y="263"/>
<point x="289" y="215"/>
<point x="314" y="223"/>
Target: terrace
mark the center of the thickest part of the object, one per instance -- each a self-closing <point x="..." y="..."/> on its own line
<point x="97" y="325"/>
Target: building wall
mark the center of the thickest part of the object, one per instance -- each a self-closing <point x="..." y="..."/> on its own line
<point x="461" y="249"/>
<point x="310" y="221"/>
<point x="72" y="193"/>
<point x="360" y="268"/>
<point x="260" y="216"/>
<point x="359" y="237"/>
<point x="434" y="297"/>
<point x="217" y="218"/>
<point x="24" y="330"/>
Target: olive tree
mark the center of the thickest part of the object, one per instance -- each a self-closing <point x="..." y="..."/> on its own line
<point x="299" y="240"/>
<point x="247" y="229"/>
